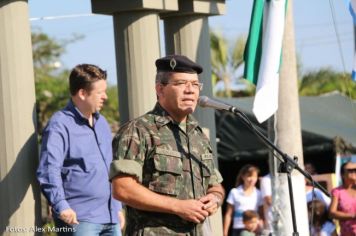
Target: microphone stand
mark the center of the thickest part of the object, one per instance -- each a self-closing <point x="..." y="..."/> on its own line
<point x="287" y="165"/>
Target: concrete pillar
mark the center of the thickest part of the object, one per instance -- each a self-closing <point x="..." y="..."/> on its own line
<point x="187" y="33"/>
<point x="138" y="34"/>
<point x="19" y="192"/>
<point x="137" y="44"/>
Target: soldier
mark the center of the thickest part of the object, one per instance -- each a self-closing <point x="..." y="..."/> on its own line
<point x="163" y="167"/>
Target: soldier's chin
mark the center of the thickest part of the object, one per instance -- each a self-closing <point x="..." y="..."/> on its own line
<point x="189" y="110"/>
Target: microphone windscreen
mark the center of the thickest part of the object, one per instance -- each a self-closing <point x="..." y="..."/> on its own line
<point x="203" y="100"/>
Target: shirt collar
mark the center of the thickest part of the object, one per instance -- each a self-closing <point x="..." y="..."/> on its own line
<point x="78" y="114"/>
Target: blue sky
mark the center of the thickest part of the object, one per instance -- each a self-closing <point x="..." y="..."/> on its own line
<point x="316" y="40"/>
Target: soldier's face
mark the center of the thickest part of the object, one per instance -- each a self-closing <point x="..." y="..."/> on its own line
<point x="180" y="95"/>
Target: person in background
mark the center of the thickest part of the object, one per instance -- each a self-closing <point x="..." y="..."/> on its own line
<point x="251" y="222"/>
<point x="343" y="200"/>
<point x="245" y="196"/>
<point x="266" y="192"/>
<point x="75" y="158"/>
<point x="163" y="167"/>
<point x="310" y="168"/>
<point x="321" y="225"/>
<point x="313" y="193"/>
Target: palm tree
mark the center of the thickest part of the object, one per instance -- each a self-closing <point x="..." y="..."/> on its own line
<point x="225" y="61"/>
<point x="326" y="80"/>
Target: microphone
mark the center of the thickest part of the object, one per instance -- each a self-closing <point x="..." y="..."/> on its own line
<point x="204" y="101"/>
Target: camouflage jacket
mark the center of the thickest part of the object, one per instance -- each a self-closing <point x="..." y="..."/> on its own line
<point x="168" y="161"/>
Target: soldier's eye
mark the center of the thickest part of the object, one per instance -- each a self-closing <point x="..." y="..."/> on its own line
<point x="181" y="82"/>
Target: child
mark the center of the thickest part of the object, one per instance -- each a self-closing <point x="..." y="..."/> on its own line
<point x="251" y="221"/>
<point x="245" y="196"/>
<point x="321" y="224"/>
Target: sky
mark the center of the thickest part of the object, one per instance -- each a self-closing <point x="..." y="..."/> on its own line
<point x="316" y="38"/>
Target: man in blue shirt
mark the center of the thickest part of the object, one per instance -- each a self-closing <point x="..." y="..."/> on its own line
<point x="75" y="157"/>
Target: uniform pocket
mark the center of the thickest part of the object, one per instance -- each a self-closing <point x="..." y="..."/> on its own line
<point x="208" y="164"/>
<point x="167" y="173"/>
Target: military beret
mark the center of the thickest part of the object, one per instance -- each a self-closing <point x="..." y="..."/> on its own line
<point x="178" y="63"/>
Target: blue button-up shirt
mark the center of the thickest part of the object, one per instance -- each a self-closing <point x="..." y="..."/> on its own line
<point x="74" y="166"/>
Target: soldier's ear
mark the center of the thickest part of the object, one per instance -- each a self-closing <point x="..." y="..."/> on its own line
<point x="159" y="89"/>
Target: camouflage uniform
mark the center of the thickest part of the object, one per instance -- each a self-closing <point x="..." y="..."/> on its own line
<point x="163" y="157"/>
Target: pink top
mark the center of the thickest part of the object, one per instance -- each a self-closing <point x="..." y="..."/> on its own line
<point x="347" y="204"/>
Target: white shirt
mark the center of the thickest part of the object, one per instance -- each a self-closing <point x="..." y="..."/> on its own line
<point x="266" y="190"/>
<point x="326" y="230"/>
<point x="319" y="195"/>
<point x="241" y="203"/>
<point x="266" y="187"/>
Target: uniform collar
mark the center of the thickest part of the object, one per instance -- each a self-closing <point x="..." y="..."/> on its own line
<point x="163" y="118"/>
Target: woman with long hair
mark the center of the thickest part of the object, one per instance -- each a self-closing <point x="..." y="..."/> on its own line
<point x="320" y="224"/>
<point x="245" y="196"/>
<point x="343" y="201"/>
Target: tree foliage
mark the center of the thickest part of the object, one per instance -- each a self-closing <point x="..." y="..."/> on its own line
<point x="45" y="50"/>
<point x="111" y="108"/>
<point x="326" y="80"/>
<point x="225" y="61"/>
<point x="51" y="82"/>
<point x="51" y="95"/>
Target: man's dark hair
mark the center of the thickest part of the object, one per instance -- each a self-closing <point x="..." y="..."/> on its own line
<point x="83" y="76"/>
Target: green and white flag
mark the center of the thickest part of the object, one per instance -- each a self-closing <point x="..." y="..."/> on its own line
<point x="263" y="54"/>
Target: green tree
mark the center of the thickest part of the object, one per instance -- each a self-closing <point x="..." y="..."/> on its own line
<point x="326" y="80"/>
<point x="51" y="81"/>
<point x="51" y="95"/>
<point x="111" y="108"/>
<point x="225" y="61"/>
<point x="46" y="52"/>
